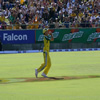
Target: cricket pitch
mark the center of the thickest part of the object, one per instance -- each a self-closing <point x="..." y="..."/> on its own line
<point x="40" y="79"/>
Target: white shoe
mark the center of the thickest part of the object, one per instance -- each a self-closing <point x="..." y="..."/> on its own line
<point x="36" y="73"/>
<point x="44" y="75"/>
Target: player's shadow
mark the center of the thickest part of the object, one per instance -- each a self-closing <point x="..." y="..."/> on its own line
<point x="55" y="78"/>
<point x="74" y="77"/>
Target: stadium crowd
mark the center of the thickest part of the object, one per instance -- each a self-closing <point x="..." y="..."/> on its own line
<point x="34" y="14"/>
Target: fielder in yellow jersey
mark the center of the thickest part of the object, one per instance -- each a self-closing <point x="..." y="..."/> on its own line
<point x="47" y="62"/>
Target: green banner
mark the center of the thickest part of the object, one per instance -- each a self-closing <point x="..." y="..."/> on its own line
<point x="87" y="35"/>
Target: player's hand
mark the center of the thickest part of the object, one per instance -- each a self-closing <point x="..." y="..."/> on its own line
<point x="52" y="39"/>
<point x="50" y="32"/>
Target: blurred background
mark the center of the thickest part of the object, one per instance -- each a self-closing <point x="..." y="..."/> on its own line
<point x="53" y="14"/>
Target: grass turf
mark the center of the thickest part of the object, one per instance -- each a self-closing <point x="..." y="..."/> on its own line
<point x="63" y="64"/>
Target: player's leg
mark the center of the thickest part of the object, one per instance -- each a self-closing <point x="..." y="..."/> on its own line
<point x="45" y="62"/>
<point x="46" y="70"/>
<point x="42" y="65"/>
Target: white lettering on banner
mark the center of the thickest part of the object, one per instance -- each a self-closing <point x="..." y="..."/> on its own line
<point x="72" y="36"/>
<point x="93" y="36"/>
<point x="41" y="37"/>
<point x="55" y="35"/>
<point x="13" y="37"/>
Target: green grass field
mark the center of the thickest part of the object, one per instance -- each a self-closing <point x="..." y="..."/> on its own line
<point x="14" y="66"/>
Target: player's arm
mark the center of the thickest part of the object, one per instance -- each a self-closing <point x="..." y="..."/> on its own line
<point x="52" y="39"/>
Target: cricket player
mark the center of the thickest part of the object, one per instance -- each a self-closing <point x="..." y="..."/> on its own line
<point x="47" y="62"/>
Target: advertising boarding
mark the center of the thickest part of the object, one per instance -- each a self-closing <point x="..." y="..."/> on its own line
<point x="17" y="36"/>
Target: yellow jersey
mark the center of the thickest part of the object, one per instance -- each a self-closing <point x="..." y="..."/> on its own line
<point x="46" y="43"/>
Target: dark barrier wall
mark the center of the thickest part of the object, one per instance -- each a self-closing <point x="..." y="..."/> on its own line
<point x="17" y="36"/>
